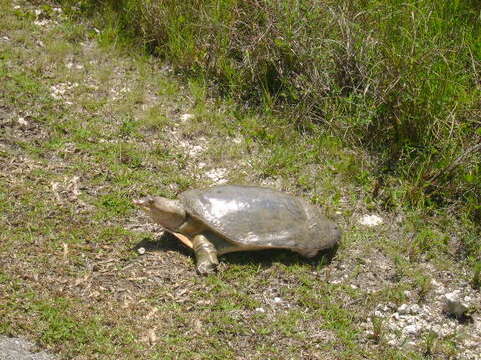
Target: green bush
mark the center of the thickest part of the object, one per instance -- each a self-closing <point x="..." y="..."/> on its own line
<point x="399" y="78"/>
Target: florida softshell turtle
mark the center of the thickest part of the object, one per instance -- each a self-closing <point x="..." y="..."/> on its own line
<point x="228" y="218"/>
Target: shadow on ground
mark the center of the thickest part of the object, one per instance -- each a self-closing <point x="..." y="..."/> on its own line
<point x="264" y="258"/>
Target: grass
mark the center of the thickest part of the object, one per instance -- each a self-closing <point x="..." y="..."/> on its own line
<point x="71" y="278"/>
<point x="396" y="79"/>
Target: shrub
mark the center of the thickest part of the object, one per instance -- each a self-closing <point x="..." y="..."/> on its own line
<point x="399" y="78"/>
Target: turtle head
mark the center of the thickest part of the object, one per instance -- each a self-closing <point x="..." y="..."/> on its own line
<point x="166" y="212"/>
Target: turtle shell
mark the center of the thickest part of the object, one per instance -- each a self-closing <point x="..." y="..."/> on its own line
<point x="257" y="217"/>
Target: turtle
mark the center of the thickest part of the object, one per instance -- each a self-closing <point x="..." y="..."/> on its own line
<point x="228" y="218"/>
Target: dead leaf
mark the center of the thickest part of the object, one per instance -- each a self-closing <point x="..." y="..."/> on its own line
<point x="151" y="336"/>
<point x="65" y="251"/>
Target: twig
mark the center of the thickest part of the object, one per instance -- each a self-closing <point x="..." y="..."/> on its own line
<point x="456" y="162"/>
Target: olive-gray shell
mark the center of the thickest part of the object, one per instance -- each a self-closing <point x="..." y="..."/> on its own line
<point x="261" y="217"/>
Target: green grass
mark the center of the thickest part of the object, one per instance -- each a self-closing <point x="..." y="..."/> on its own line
<point x="71" y="278"/>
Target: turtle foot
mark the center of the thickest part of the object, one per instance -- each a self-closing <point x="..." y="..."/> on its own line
<point x="206" y="268"/>
<point x="206" y="255"/>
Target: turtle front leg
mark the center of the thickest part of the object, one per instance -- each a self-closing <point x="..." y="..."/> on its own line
<point x="206" y="255"/>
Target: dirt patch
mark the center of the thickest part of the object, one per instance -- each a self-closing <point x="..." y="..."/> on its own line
<point x="21" y="349"/>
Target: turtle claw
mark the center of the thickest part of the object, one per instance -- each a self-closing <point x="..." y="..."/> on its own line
<point x="206" y="268"/>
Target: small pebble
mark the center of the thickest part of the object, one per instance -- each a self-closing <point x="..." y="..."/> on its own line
<point x="141" y="250"/>
<point x="22" y="121"/>
<point x="186" y="117"/>
<point x="371" y="220"/>
<point x="412" y="329"/>
<point x="403" y="309"/>
<point x="415" y="309"/>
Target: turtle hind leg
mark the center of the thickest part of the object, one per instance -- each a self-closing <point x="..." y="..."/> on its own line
<point x="205" y="254"/>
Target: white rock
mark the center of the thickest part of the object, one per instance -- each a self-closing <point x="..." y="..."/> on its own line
<point x="217" y="175"/>
<point x="196" y="150"/>
<point x="370" y="220"/>
<point x="412" y="329"/>
<point x="59" y="90"/>
<point x="186" y="117"/>
<point x="41" y="22"/>
<point x="453" y="304"/>
<point x="22" y="121"/>
<point x="403" y="309"/>
<point x="477" y="325"/>
<point x="261" y="310"/>
<point x="392" y="342"/>
<point x="237" y="140"/>
<point x="471" y="344"/>
<point x="438" y="287"/>
<point x="277" y="300"/>
<point x="413" y="309"/>
<point x="411" y="320"/>
<point x="141" y="250"/>
<point x="436" y="329"/>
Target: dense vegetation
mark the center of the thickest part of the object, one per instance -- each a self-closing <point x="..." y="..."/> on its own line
<point x="400" y="79"/>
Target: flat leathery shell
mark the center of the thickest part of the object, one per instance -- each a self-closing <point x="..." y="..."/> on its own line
<point x="253" y="217"/>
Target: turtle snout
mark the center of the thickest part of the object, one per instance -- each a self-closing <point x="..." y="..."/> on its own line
<point x="144" y="203"/>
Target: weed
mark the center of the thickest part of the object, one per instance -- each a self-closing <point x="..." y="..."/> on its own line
<point x="377" y="329"/>
<point x="476" y="280"/>
<point x="430" y="339"/>
<point x="423" y="285"/>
